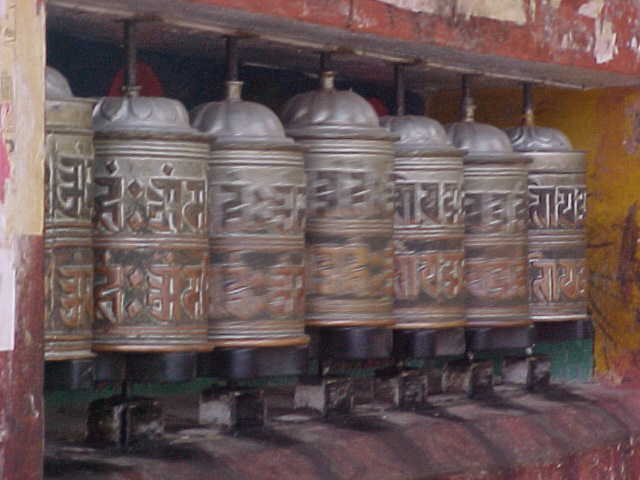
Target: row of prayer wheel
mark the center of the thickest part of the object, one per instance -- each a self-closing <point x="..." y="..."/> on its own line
<point x="227" y="230"/>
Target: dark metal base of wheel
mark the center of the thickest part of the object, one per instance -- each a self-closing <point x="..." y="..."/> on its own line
<point x="500" y="338"/>
<point x="244" y="363"/>
<point x="350" y="343"/>
<point x="146" y="367"/>
<point x="428" y="343"/>
<point x="563" y="331"/>
<point x="69" y="374"/>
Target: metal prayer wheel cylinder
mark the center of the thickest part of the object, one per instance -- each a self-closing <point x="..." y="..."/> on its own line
<point x="557" y="207"/>
<point x="495" y="184"/>
<point x="151" y="242"/>
<point x="256" y="209"/>
<point x="67" y="224"/>
<point x="428" y="238"/>
<point x="349" y="249"/>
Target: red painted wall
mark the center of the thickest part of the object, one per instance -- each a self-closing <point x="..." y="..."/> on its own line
<point x="585" y="33"/>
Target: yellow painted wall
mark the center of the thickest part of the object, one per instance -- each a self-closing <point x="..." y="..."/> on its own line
<point x="605" y="123"/>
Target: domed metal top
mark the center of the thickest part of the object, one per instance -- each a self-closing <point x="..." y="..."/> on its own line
<point x="479" y="138"/>
<point x="417" y="132"/>
<point x="327" y="112"/>
<point x="532" y="138"/>
<point x="234" y="120"/>
<point x="56" y="85"/>
<point x="132" y="113"/>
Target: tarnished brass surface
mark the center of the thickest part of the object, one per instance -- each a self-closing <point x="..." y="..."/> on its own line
<point x="349" y="250"/>
<point x="557" y="245"/>
<point x="257" y="214"/>
<point x="151" y="242"/>
<point x="428" y="226"/>
<point x="557" y="207"/>
<point x="496" y="240"/>
<point x="68" y="231"/>
<point x="495" y="206"/>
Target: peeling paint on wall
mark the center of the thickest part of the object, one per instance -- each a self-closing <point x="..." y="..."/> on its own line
<point x="503" y="10"/>
<point x="605" y="47"/>
<point x="420" y="6"/>
<point x="514" y="11"/>
<point x="592" y="8"/>
<point x="634" y="45"/>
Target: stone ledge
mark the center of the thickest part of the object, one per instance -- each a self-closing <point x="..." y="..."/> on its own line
<point x="578" y="432"/>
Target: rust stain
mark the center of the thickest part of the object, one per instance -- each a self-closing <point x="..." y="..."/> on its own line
<point x="627" y="256"/>
<point x="632" y="140"/>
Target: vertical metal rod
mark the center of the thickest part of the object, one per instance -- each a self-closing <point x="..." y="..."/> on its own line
<point x="124" y="418"/>
<point x="124" y="388"/>
<point x="468" y="107"/>
<point x="131" y="54"/>
<point x="429" y="93"/>
<point x="325" y="60"/>
<point x="527" y="104"/>
<point x="232" y="59"/>
<point x="398" y="71"/>
<point x="466" y="86"/>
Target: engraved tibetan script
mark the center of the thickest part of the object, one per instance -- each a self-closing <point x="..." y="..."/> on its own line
<point x="556" y="207"/>
<point x="497" y="279"/>
<point x="495" y="212"/>
<point x="438" y="203"/>
<point x="76" y="285"/>
<point x="251" y="208"/>
<point x="436" y="274"/>
<point x="73" y="192"/>
<point x="245" y="292"/>
<point x="557" y="280"/>
<point x="165" y="205"/>
<point x="349" y="193"/>
<point x="349" y="270"/>
<point x="163" y="292"/>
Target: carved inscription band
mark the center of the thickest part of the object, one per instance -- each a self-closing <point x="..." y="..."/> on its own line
<point x="68" y="232"/>
<point x="496" y="210"/>
<point x="557" y="245"/>
<point x="349" y="255"/>
<point x="151" y="245"/>
<point x="257" y="208"/>
<point x="428" y="240"/>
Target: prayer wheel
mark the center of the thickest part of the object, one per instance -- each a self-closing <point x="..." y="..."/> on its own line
<point x="349" y="249"/>
<point x="151" y="242"/>
<point x="496" y="262"/>
<point x="256" y="208"/>
<point x="67" y="224"/>
<point x="557" y="244"/>
<point x="428" y="240"/>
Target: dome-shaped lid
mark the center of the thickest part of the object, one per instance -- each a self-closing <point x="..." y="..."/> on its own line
<point x="531" y="138"/>
<point x="234" y="120"/>
<point x="132" y="113"/>
<point x="329" y="112"/>
<point x="417" y="132"/>
<point x="56" y="85"/>
<point x="479" y="138"/>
